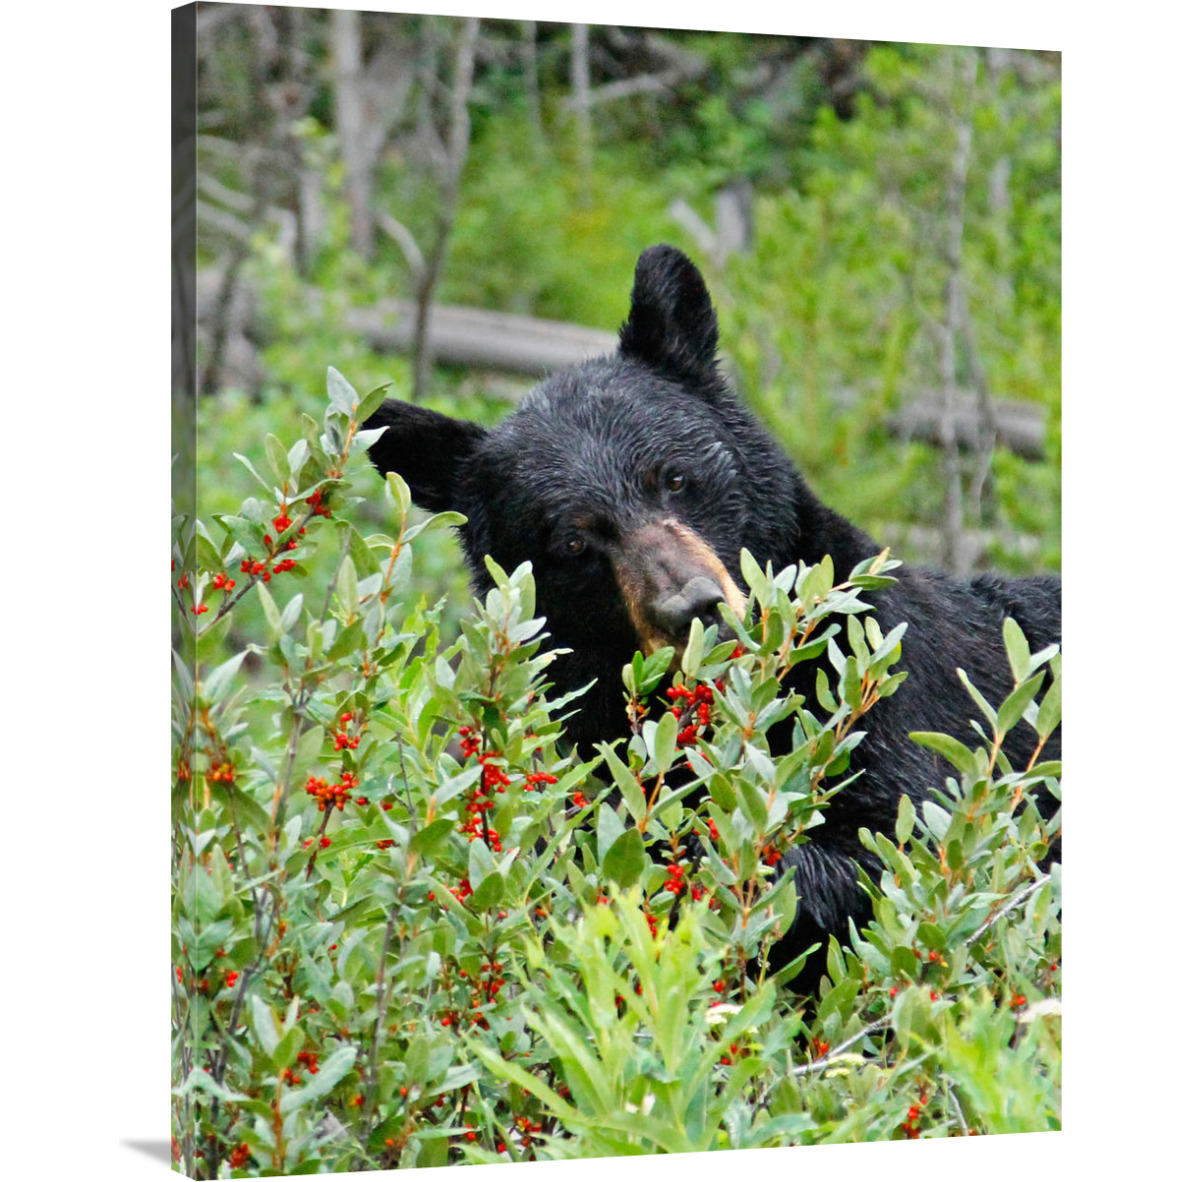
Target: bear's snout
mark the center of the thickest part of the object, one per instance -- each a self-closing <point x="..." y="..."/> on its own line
<point x="698" y="599"/>
<point x="669" y="576"/>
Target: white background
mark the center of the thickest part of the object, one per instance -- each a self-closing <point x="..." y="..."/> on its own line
<point x="84" y="614"/>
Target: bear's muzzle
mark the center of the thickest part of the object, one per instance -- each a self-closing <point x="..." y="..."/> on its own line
<point x="669" y="576"/>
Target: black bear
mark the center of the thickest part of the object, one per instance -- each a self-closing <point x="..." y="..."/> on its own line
<point x="631" y="483"/>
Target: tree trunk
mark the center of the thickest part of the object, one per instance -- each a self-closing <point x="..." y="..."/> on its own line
<point x="580" y="77"/>
<point x="953" y="519"/>
<point x="457" y="154"/>
<point x="533" y="90"/>
<point x="351" y="127"/>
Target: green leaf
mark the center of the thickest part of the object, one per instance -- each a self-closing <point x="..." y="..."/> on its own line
<point x="347" y="586"/>
<point x="905" y="822"/>
<point x="752" y="574"/>
<point x="447" y="519"/>
<point x="400" y="491"/>
<point x="250" y="468"/>
<point x="432" y="838"/>
<point x="331" y="1072"/>
<point x="288" y="1047"/>
<point x="753" y="804"/>
<point x="977" y="697"/>
<point x="341" y="395"/>
<point x="630" y="790"/>
<point x="691" y="657"/>
<point x="1050" y="710"/>
<point x="664" y="744"/>
<point x="269" y="609"/>
<point x="291" y="613"/>
<point x="372" y="401"/>
<point x="277" y="458"/>
<point x="263" y="1021"/>
<point x="626" y="860"/>
<point x="1011" y="709"/>
<point x="488" y="894"/>
<point x="609" y="829"/>
<point x="480" y="863"/>
<point x="817" y="583"/>
<point x="217" y="682"/>
<point x="951" y="749"/>
<point x="1017" y="649"/>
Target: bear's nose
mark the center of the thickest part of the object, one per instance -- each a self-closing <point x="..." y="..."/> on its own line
<point x="698" y="599"/>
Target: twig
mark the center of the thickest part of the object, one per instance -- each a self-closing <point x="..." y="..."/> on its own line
<point x="406" y="243"/>
<point x="825" y="1060"/>
<point x="1016" y="901"/>
<point x="956" y="1109"/>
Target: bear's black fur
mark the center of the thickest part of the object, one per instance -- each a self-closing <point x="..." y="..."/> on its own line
<point x="632" y="482"/>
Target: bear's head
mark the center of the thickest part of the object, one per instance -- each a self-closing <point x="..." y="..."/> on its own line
<point x="631" y="483"/>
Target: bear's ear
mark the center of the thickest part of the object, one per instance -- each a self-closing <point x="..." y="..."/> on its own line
<point x="671" y="326"/>
<point x="425" y="448"/>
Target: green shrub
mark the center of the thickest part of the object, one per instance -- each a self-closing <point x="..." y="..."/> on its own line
<point x="412" y="927"/>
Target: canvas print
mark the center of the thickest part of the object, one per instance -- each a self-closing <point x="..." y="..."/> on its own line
<point x="616" y="633"/>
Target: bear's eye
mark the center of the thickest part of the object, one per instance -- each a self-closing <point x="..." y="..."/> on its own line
<point x="674" y="481"/>
<point x="574" y="546"/>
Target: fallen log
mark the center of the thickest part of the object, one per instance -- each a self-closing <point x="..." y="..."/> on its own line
<point x="1021" y="426"/>
<point x="482" y="339"/>
<point x="921" y="545"/>
<point x="531" y="347"/>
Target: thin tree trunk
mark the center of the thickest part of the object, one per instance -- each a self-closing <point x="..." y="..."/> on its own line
<point x="350" y="126"/>
<point x="457" y="154"/>
<point x="953" y="519"/>
<point x="580" y="76"/>
<point x="533" y="90"/>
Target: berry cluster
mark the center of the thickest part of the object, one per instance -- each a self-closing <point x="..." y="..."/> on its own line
<point x="494" y="779"/>
<point x="257" y="567"/>
<point x="711" y="828"/>
<point x="342" y="739"/>
<point x="735" y="1052"/>
<point x="675" y="883"/>
<point x="319" y="505"/>
<point x="309" y="1059"/>
<point x="470" y="741"/>
<point x="482" y="993"/>
<point x="328" y="794"/>
<point x="239" y="1156"/>
<point x="695" y="709"/>
<point x="527" y="1129"/>
<point x="910" y="1127"/>
<point x="221" y="773"/>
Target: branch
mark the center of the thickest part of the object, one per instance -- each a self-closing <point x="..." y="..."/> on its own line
<point x="1016" y="901"/>
<point x="660" y="83"/>
<point x="826" y="1059"/>
<point x="406" y="243"/>
<point x="453" y="167"/>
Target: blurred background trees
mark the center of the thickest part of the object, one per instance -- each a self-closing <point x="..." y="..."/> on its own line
<point x="458" y="205"/>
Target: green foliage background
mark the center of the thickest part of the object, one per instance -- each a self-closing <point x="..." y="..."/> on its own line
<point x="827" y="319"/>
